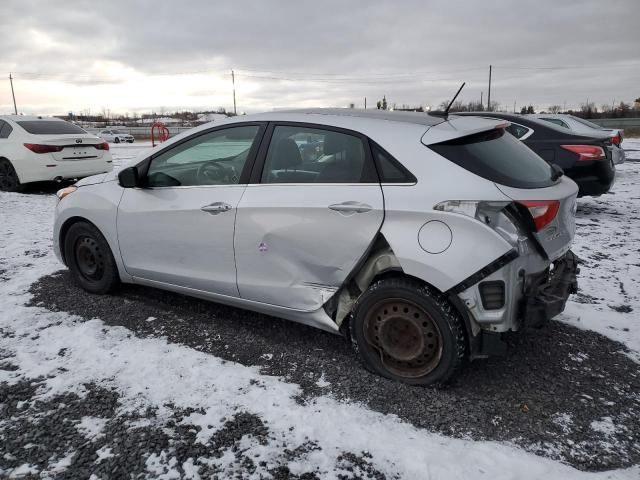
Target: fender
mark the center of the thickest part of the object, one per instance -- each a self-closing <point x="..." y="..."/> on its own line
<point x="98" y="205"/>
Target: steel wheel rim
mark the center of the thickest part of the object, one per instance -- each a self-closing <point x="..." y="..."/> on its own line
<point x="89" y="258"/>
<point x="405" y="336"/>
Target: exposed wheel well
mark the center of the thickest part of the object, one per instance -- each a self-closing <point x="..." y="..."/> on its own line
<point x="379" y="264"/>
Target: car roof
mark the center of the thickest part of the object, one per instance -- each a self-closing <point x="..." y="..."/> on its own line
<point x="20" y="118"/>
<point x="417" y="118"/>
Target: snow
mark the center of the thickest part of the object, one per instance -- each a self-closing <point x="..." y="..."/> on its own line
<point x="91" y="427"/>
<point x="153" y="372"/>
<point x="611" y="277"/>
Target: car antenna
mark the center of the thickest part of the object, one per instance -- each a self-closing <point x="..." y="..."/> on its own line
<point x="445" y="114"/>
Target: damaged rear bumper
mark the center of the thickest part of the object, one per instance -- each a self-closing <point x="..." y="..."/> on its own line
<point x="547" y="292"/>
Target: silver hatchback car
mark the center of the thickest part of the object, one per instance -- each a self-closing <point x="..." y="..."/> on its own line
<point x="421" y="238"/>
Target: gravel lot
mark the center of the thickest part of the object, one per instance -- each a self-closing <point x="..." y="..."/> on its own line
<point x="562" y="392"/>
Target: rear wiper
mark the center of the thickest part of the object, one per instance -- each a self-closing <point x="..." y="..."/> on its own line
<point x="557" y="172"/>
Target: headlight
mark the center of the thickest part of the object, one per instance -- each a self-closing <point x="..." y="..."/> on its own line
<point x="66" y="191"/>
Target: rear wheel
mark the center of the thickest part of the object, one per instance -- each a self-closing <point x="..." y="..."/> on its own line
<point x="90" y="260"/>
<point x="9" y="181"/>
<point x="405" y="331"/>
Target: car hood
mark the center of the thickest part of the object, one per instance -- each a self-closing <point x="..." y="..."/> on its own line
<point x="92" y="180"/>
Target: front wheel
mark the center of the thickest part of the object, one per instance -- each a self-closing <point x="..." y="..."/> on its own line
<point x="90" y="260"/>
<point x="405" y="331"/>
<point x="9" y="181"/>
<point x="117" y="140"/>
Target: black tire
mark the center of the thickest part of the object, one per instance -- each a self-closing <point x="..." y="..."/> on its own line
<point x="117" y="140"/>
<point x="9" y="181"/>
<point x="90" y="260"/>
<point x="406" y="331"/>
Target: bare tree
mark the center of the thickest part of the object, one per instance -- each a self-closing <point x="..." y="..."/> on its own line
<point x="555" y="109"/>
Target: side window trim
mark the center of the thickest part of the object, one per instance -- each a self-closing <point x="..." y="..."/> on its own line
<point x="526" y="135"/>
<point x="144" y="165"/>
<point x="370" y="173"/>
<point x="410" y="178"/>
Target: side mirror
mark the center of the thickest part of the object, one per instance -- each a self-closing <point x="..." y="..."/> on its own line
<point x="128" y="177"/>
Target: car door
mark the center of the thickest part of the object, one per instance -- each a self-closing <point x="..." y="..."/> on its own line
<point x="311" y="211"/>
<point x="178" y="228"/>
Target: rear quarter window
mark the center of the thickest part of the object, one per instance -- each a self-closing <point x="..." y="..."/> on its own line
<point x="50" y="127"/>
<point x="499" y="157"/>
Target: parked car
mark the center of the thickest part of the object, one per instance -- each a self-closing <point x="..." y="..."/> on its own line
<point x="34" y="149"/>
<point x="116" y="136"/>
<point x="586" y="159"/>
<point x="420" y="238"/>
<point x="580" y="125"/>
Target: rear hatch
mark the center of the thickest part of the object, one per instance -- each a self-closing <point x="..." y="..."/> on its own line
<point x="545" y="199"/>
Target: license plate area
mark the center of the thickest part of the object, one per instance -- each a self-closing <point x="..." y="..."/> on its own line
<point x="79" y="153"/>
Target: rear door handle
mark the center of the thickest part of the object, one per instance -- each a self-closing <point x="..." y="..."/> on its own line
<point x="350" y="207"/>
<point x="216" y="208"/>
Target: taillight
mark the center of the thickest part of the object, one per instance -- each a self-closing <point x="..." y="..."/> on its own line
<point x="542" y="211"/>
<point x="586" y="152"/>
<point x="617" y="140"/>
<point x="102" y="146"/>
<point x="36" y="148"/>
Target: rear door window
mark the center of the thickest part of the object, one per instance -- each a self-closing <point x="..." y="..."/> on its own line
<point x="50" y="127"/>
<point x="300" y="154"/>
<point x="497" y="156"/>
<point x="5" y="129"/>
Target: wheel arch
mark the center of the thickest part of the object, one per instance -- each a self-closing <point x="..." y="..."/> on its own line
<point x="64" y="229"/>
<point x="380" y="263"/>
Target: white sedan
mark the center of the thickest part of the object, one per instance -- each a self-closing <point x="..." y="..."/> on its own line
<point x="34" y="149"/>
<point x="115" y="136"/>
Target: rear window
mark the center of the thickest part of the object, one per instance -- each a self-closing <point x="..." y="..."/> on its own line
<point x="50" y="127"/>
<point x="497" y="156"/>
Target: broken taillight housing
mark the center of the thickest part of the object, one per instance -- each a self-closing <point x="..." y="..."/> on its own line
<point x="543" y="212"/>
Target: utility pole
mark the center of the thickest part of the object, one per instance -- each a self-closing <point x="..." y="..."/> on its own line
<point x="365" y="103"/>
<point x="481" y="104"/>
<point x="489" y="93"/>
<point x="514" y="106"/>
<point x="233" y="80"/>
<point x="15" y="109"/>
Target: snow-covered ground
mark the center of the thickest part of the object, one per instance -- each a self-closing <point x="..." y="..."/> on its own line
<point x="60" y="354"/>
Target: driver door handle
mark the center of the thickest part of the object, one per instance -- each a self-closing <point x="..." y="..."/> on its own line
<point x="216" y="208"/>
<point x="350" y="207"/>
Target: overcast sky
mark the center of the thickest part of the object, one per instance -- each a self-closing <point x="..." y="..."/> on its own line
<point x="140" y="56"/>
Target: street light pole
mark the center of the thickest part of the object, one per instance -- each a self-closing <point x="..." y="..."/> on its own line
<point x="15" y="108"/>
<point x="233" y="80"/>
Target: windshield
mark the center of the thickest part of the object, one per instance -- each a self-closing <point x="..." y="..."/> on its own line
<point x="117" y="131"/>
<point x="50" y="127"/>
<point x="498" y="156"/>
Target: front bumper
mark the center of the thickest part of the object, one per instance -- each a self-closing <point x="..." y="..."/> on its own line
<point x="547" y="292"/>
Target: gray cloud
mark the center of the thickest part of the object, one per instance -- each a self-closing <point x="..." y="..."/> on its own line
<point x="411" y="51"/>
